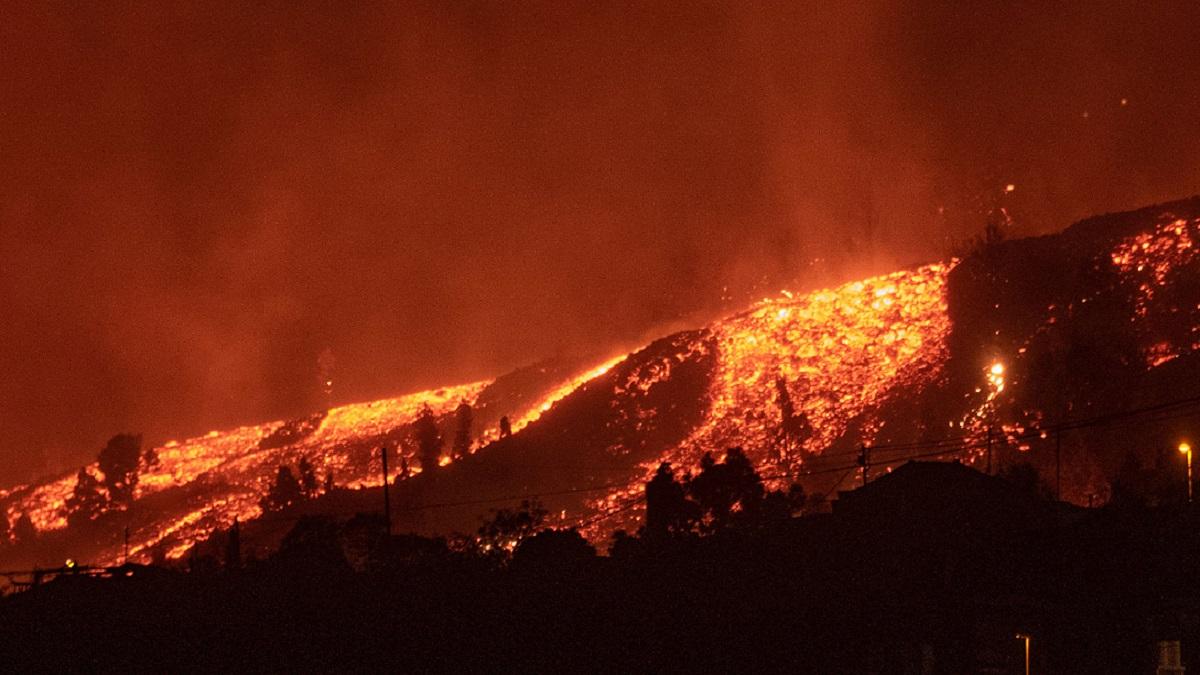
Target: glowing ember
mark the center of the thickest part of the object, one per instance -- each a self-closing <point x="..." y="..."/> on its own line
<point x="1147" y="260"/>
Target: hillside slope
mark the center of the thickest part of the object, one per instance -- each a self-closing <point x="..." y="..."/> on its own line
<point x="1000" y="349"/>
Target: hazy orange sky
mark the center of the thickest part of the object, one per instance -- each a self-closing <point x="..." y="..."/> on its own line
<point x="196" y="200"/>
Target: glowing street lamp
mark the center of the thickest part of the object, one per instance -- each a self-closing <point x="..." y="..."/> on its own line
<point x="1025" y="637"/>
<point x="1186" y="449"/>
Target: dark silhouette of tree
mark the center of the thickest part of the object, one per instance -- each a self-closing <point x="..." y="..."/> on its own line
<point x="1160" y="484"/>
<point x="794" y="428"/>
<point x="505" y="427"/>
<point x="722" y="495"/>
<point x="284" y="491"/>
<point x="721" y="489"/>
<point x="233" y="546"/>
<point x="150" y="458"/>
<point x="119" y="464"/>
<point x="995" y="227"/>
<point x="669" y="513"/>
<point x="1025" y="478"/>
<point x="1130" y="485"/>
<point x="24" y="530"/>
<point x="329" y="481"/>
<point x="309" y="486"/>
<point x="314" y="542"/>
<point x="625" y="546"/>
<point x="463" y="420"/>
<point x="365" y="542"/>
<point x="86" y="502"/>
<point x="553" y="549"/>
<point x="508" y="527"/>
<point x="429" y="440"/>
<point x="778" y="505"/>
<point x="198" y="563"/>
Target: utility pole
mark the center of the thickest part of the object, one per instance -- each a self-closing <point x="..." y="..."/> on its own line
<point x="864" y="460"/>
<point x="126" y="545"/>
<point x="989" y="450"/>
<point x="1058" y="463"/>
<point x="387" y="504"/>
<point x="1186" y="448"/>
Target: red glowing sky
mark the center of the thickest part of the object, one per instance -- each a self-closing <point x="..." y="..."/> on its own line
<point x="195" y="202"/>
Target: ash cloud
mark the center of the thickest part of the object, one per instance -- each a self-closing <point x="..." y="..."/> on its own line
<point x="195" y="204"/>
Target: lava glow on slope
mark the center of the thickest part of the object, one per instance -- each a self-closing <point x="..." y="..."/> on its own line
<point x="1149" y="259"/>
<point x="839" y="352"/>
<point x="230" y="471"/>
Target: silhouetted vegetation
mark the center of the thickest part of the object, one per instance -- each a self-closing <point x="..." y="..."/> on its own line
<point x="86" y="502"/>
<point x="549" y="550"/>
<point x="150" y="458"/>
<point x="508" y="527"/>
<point x="794" y="427"/>
<point x="23" y="530"/>
<point x="463" y="420"/>
<point x="1025" y="477"/>
<point x="941" y="565"/>
<point x="119" y="463"/>
<point x="429" y="440"/>
<point x="669" y="513"/>
<point x="309" y="486"/>
<point x="284" y="491"/>
<point x="724" y="494"/>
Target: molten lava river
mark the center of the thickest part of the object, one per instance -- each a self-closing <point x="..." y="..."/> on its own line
<point x="839" y="354"/>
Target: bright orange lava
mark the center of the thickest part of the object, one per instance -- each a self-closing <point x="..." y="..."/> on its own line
<point x="839" y="353"/>
<point x="231" y="473"/>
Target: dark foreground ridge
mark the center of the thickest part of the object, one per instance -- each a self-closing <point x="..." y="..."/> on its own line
<point x="933" y="568"/>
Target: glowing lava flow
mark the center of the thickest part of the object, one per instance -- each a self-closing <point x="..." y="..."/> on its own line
<point x="554" y="396"/>
<point x="841" y="355"/>
<point x="225" y="474"/>
<point x="839" y="352"/>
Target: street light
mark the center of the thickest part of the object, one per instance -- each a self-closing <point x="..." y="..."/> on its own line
<point x="1025" y="637"/>
<point x="1186" y="449"/>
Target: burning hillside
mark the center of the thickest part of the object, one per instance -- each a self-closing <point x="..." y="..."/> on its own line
<point x="958" y="359"/>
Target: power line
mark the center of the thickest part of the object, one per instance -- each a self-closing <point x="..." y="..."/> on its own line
<point x="1036" y="430"/>
<point x="1160" y="412"/>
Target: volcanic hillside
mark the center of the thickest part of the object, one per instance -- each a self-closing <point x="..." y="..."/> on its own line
<point x="1074" y="352"/>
